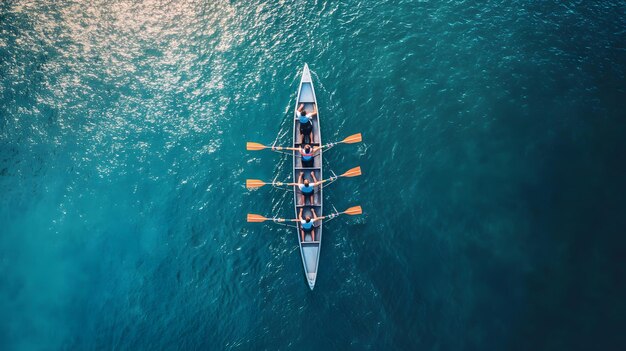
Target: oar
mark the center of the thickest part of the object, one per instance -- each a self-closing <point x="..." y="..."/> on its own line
<point x="255" y="146"/>
<point x="256" y="183"/>
<point x="250" y="146"/>
<point x="352" y="172"/>
<point x="255" y="218"/>
<point x="352" y="211"/>
<point x="354" y="138"/>
<point x="356" y="210"/>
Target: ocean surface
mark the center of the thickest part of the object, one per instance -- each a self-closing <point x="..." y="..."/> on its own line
<point x="494" y="169"/>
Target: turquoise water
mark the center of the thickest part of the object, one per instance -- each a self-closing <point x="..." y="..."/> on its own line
<point x="493" y="184"/>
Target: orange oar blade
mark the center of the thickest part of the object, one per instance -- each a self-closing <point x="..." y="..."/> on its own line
<point x="356" y="210"/>
<point x="255" y="218"/>
<point x="355" y="138"/>
<point x="254" y="183"/>
<point x="354" y="172"/>
<point x="254" y="146"/>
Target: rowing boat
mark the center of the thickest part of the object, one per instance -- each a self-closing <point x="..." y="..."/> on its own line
<point x="309" y="249"/>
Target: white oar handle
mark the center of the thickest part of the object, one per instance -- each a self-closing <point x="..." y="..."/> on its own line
<point x="333" y="215"/>
<point x="331" y="179"/>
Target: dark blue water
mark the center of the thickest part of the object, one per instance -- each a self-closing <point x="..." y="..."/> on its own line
<point x="493" y="183"/>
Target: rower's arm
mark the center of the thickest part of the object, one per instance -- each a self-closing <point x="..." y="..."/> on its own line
<point x="288" y="220"/>
<point x="300" y="178"/>
<point x="283" y="148"/>
<point x="331" y="216"/>
<point x="300" y="214"/>
<point x="321" y="182"/>
<point x="281" y="220"/>
<point x="313" y="176"/>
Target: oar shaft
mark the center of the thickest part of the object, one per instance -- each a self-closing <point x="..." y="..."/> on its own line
<point x="356" y="171"/>
<point x="260" y="219"/>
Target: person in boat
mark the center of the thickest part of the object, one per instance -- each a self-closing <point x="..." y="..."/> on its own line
<point x="306" y="123"/>
<point x="307" y="224"/>
<point x="307" y="154"/>
<point x="307" y="188"/>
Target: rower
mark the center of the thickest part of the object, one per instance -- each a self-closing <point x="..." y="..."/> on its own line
<point x="306" y="224"/>
<point x="307" y="188"/>
<point x="307" y="153"/>
<point x="306" y="125"/>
